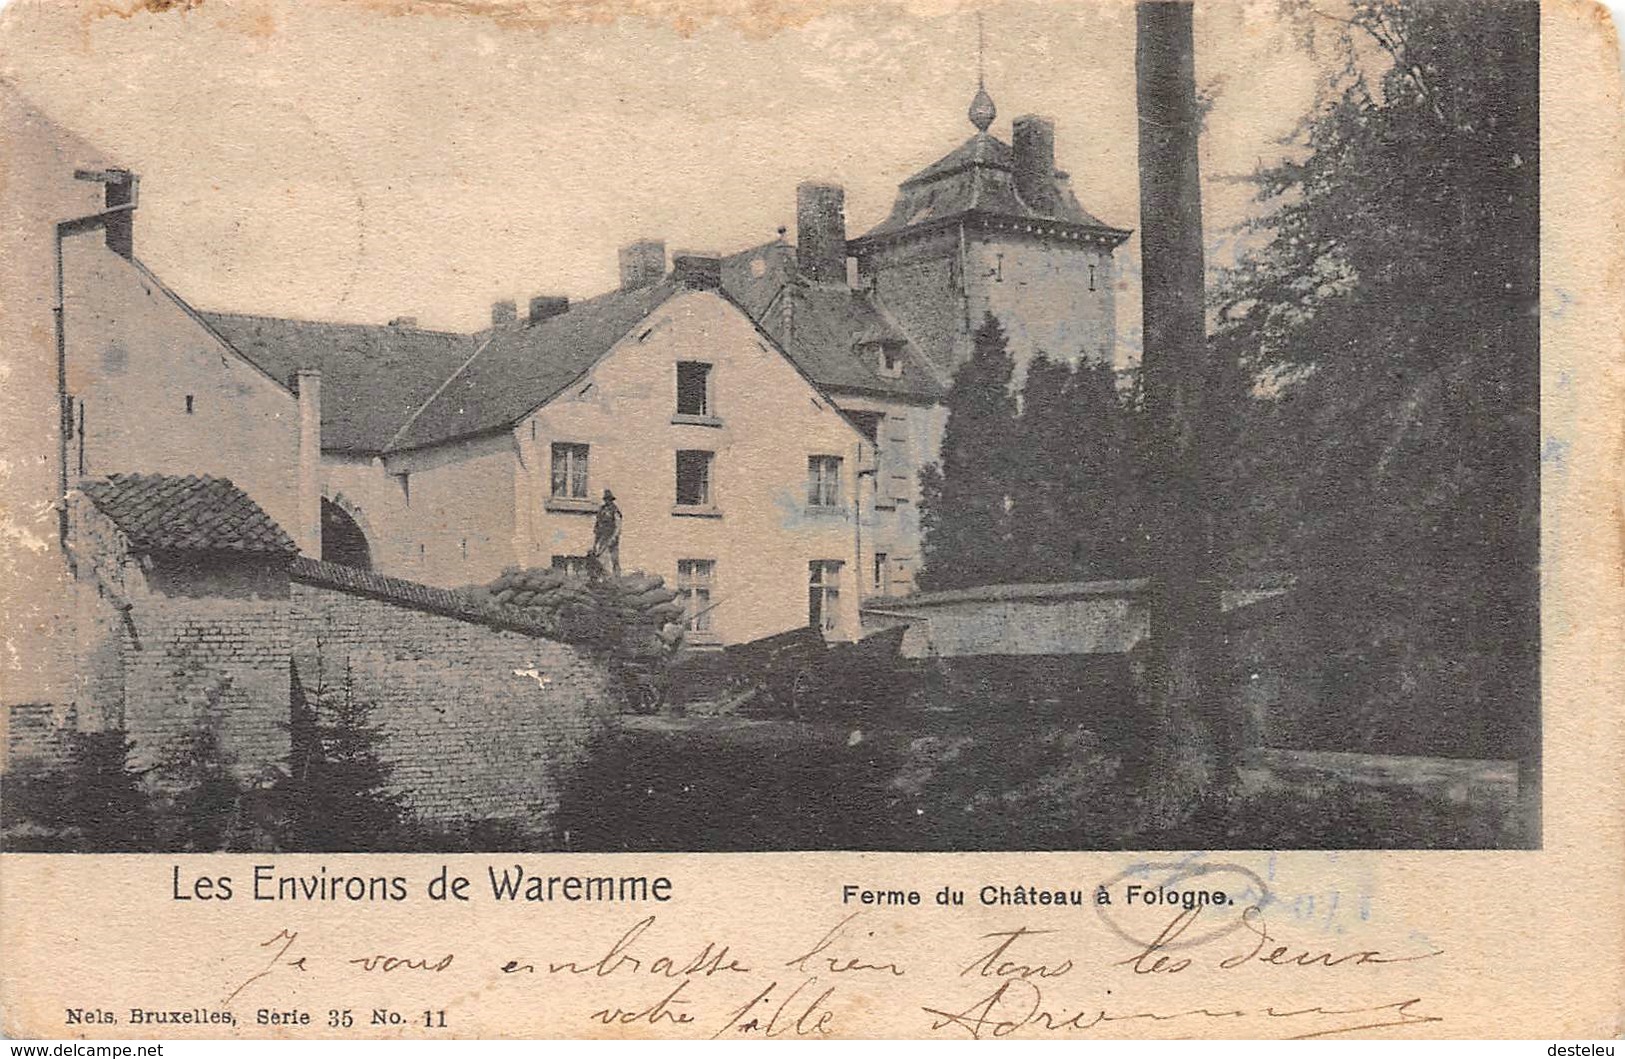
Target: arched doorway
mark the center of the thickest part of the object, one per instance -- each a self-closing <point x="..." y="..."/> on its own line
<point x="342" y="539"/>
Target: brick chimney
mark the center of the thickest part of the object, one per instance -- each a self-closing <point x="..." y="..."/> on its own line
<point x="1034" y="148"/>
<point x="821" y="232"/>
<point x="120" y="227"/>
<point x="545" y="305"/>
<point x="643" y="263"/>
<point x="697" y="271"/>
<point x="504" y="312"/>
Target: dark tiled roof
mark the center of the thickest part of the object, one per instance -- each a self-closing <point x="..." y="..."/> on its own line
<point x="373" y="376"/>
<point x="977" y="178"/>
<point x="165" y="512"/>
<point x="521" y="367"/>
<point x="821" y="326"/>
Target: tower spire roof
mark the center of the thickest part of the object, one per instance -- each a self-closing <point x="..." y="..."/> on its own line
<point x="982" y="111"/>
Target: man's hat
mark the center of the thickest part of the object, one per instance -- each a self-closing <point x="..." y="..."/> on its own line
<point x="608" y="495"/>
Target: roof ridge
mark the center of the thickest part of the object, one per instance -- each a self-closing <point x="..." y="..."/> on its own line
<point x="434" y="331"/>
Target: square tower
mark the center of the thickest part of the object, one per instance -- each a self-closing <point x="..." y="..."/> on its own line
<point x="995" y="227"/>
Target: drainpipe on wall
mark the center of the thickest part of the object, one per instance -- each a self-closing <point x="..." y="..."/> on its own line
<point x="117" y="221"/>
<point x="860" y="582"/>
<point x="307" y="384"/>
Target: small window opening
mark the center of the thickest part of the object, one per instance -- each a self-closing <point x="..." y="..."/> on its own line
<point x="694" y="478"/>
<point x="188" y="404"/>
<point x="693" y="388"/>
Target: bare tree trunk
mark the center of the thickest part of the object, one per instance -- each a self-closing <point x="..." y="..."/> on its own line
<point x="1189" y="752"/>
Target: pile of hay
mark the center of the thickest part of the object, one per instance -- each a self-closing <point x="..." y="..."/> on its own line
<point x="634" y="614"/>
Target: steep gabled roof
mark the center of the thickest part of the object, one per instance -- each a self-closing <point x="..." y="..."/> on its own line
<point x="977" y="179"/>
<point x="168" y="513"/>
<point x="828" y="330"/>
<point x="373" y="376"/>
<point x="521" y="367"/>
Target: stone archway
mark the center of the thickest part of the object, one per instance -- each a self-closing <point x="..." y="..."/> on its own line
<point x="343" y="540"/>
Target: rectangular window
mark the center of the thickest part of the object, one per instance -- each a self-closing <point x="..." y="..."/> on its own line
<point x="569" y="471"/>
<point x="694" y="477"/>
<point x="696" y="579"/>
<point x="882" y="582"/>
<point x="693" y="388"/>
<point x="823" y="481"/>
<point x="824" y="594"/>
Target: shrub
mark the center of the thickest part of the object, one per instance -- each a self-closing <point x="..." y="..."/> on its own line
<point x="94" y="802"/>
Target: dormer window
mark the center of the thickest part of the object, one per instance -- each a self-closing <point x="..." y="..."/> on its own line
<point x="890" y="361"/>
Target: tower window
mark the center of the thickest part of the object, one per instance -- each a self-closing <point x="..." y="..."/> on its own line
<point x="1091" y="277"/>
<point x="188" y="404"/>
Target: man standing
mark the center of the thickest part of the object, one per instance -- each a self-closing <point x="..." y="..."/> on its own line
<point x="606" y="535"/>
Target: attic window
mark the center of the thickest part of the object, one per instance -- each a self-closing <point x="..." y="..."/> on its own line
<point x="891" y="361"/>
<point x="693" y="388"/>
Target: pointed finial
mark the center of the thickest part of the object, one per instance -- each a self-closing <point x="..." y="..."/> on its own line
<point x="982" y="111"/>
<point x="981" y="49"/>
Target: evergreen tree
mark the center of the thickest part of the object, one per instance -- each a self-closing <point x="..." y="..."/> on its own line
<point x="965" y="502"/>
<point x="93" y="802"/>
<point x="337" y="797"/>
<point x="199" y="814"/>
<point x="1049" y="476"/>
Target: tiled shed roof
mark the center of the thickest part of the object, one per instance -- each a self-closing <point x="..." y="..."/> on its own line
<point x="374" y="376"/>
<point x="166" y="513"/>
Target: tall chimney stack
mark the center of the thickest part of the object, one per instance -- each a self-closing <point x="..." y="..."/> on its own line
<point x="643" y="263"/>
<point x="120" y="226"/>
<point x="545" y="305"/>
<point x="307" y="383"/>
<point x="1034" y="149"/>
<point x="821" y="232"/>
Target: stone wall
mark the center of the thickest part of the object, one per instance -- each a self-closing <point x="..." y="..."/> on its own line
<point x="484" y="717"/>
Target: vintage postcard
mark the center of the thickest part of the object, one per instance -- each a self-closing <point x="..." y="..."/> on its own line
<point x="811" y="519"/>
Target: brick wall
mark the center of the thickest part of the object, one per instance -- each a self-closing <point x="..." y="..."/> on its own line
<point x="217" y="658"/>
<point x="484" y="717"/>
<point x="38" y="732"/>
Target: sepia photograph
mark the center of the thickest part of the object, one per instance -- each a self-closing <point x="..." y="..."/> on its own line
<point x="998" y="427"/>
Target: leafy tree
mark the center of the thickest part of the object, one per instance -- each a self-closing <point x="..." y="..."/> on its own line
<point x="964" y="502"/>
<point x="337" y="797"/>
<point x="1394" y="311"/>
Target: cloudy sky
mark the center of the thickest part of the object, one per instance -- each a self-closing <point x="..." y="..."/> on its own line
<point x="426" y="157"/>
